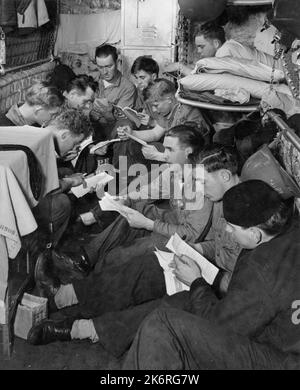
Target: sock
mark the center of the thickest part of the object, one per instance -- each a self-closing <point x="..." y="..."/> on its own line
<point x="65" y="296"/>
<point x="84" y="329"/>
<point x="88" y="218"/>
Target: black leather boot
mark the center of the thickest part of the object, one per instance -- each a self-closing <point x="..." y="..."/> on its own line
<point x="47" y="282"/>
<point x="72" y="261"/>
<point x="49" y="331"/>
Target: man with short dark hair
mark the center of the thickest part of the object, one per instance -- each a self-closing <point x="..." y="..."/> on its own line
<point x="114" y="88"/>
<point x="208" y="39"/>
<point x="145" y="70"/>
<point x="80" y="92"/>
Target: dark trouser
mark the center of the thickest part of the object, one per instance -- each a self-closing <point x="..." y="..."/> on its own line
<point x="117" y="329"/>
<point x="118" y="300"/>
<point x="106" y="247"/>
<point x="55" y="208"/>
<point x="119" y="243"/>
<point x="121" y="286"/>
<point x="171" y="339"/>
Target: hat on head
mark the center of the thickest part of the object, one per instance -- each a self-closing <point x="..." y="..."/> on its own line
<point x="250" y="203"/>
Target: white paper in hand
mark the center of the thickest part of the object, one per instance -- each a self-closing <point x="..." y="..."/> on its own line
<point x="107" y="203"/>
<point x="179" y="247"/>
<point x="136" y="139"/>
<point x="102" y="144"/>
<point x="101" y="178"/>
<point x="83" y="145"/>
<point x="173" y="285"/>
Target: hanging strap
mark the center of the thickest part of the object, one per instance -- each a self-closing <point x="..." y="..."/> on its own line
<point x="2" y="51"/>
<point x="207" y="227"/>
<point x="35" y="174"/>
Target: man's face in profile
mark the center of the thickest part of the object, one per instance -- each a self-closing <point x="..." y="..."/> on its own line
<point x="205" y="47"/>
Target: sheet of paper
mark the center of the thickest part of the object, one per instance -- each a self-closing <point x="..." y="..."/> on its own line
<point x="140" y="141"/>
<point x="173" y="285"/>
<point x="92" y="181"/>
<point x="107" y="203"/>
<point x="83" y="145"/>
<point x="179" y="247"/>
<point x="102" y="144"/>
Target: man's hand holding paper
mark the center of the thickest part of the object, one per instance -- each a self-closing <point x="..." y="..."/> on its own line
<point x="138" y="221"/>
<point x="186" y="269"/>
<point x="179" y="247"/>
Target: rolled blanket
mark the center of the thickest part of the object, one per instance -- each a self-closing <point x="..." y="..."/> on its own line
<point x="211" y="82"/>
<point x="240" y="67"/>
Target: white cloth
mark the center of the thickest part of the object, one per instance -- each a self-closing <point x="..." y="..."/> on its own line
<point x="65" y="296"/>
<point x="29" y="18"/>
<point x="232" y="48"/>
<point x="35" y="15"/>
<point x="210" y="82"/>
<point x="240" y="67"/>
<point x="84" y="329"/>
<point x="40" y="141"/>
<point x="16" y="220"/>
<point x="239" y="95"/>
<point x="42" y="13"/>
<point x="82" y="33"/>
<point x="282" y="101"/>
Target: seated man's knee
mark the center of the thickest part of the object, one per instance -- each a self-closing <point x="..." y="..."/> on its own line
<point x="61" y="206"/>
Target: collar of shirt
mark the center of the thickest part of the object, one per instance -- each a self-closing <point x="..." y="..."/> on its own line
<point x="116" y="82"/>
<point x="15" y="116"/>
<point x="172" y="114"/>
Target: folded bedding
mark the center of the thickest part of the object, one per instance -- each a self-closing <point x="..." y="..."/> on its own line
<point x="238" y="66"/>
<point x="211" y="82"/>
<point x="209" y="97"/>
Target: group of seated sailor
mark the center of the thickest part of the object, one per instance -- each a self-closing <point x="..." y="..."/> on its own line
<point x="103" y="277"/>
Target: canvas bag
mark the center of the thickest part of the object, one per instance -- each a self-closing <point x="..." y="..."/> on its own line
<point x="262" y="165"/>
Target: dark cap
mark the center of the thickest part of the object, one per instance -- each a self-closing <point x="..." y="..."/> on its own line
<point x="250" y="203"/>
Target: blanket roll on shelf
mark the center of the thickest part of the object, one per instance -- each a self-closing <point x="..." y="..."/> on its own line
<point x="210" y="82"/>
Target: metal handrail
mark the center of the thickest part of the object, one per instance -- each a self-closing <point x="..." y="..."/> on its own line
<point x="8" y="70"/>
<point x="215" y="107"/>
<point x="287" y="132"/>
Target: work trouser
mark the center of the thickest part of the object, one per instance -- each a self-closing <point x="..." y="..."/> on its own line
<point x="118" y="299"/>
<point x="119" y="243"/>
<point x="55" y="209"/>
<point x="171" y="339"/>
